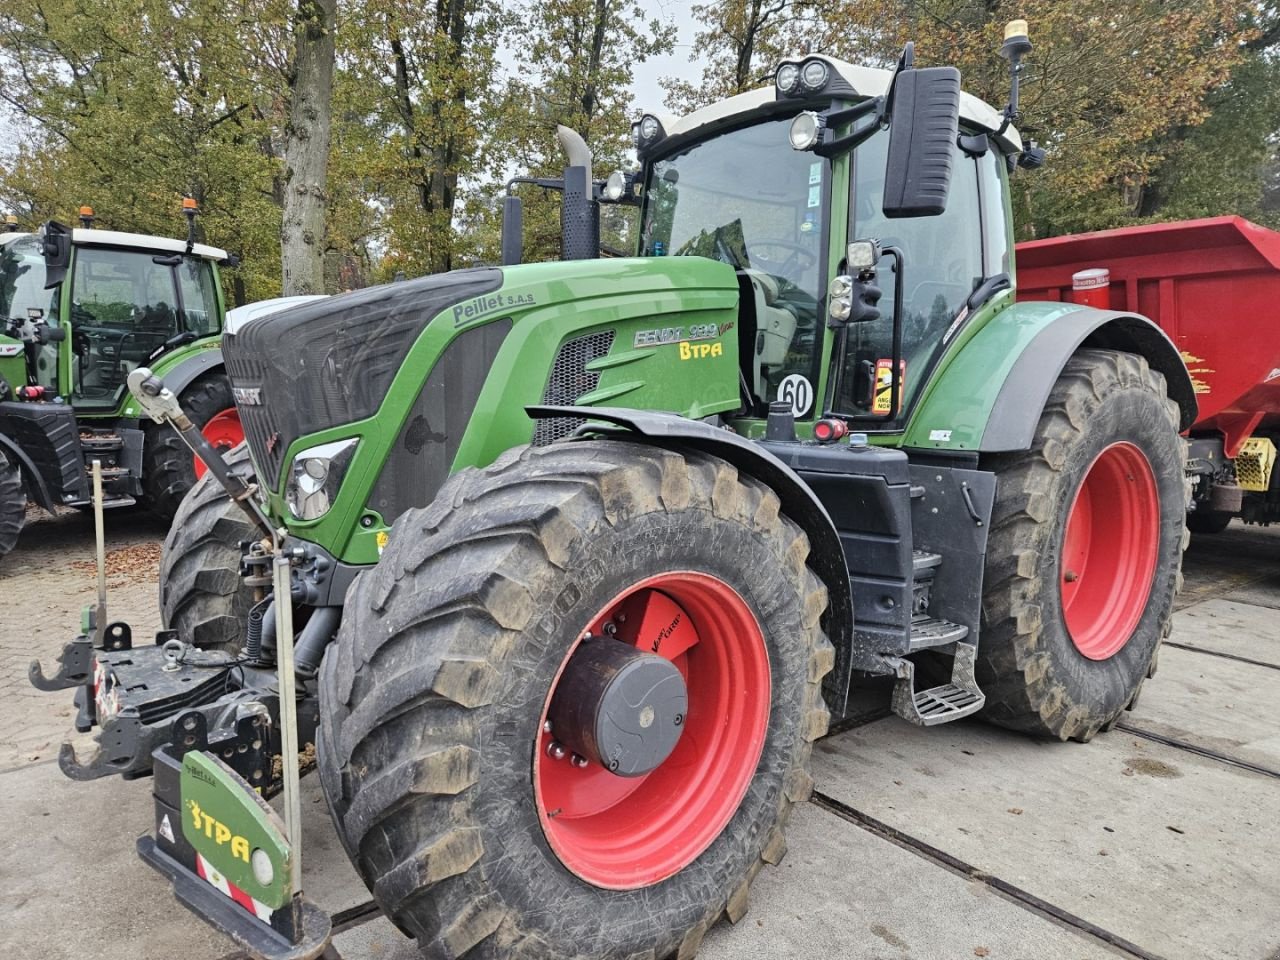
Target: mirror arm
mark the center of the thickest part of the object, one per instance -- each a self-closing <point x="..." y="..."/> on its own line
<point x="546" y="183"/>
<point x="833" y="148"/>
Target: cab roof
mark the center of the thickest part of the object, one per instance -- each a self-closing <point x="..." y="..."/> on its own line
<point x="864" y="82"/>
<point x="81" y="237"/>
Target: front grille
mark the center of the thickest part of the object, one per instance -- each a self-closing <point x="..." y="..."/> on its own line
<point x="569" y="380"/>
<point x="428" y="442"/>
<point x="329" y="362"/>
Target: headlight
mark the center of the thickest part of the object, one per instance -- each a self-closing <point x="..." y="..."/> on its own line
<point x="316" y="476"/>
<point x="840" y="298"/>
<point x="814" y="75"/>
<point x="788" y="78"/>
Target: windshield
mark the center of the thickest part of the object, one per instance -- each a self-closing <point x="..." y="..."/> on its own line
<point x="747" y="199"/>
<point x="22" y="280"/>
<point x="129" y="306"/>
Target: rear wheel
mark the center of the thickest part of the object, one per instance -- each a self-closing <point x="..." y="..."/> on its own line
<point x="13" y="503"/>
<point x="568" y="712"/>
<point x="1085" y="552"/>
<point x="169" y="469"/>
<point x="202" y="594"/>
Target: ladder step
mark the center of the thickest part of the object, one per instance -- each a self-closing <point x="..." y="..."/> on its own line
<point x="107" y="502"/>
<point x="928" y="632"/>
<point x="950" y="701"/>
<point x="923" y="560"/>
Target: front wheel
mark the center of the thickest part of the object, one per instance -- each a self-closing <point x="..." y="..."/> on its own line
<point x="568" y="712"/>
<point x="1085" y="552"/>
<point x="169" y="469"/>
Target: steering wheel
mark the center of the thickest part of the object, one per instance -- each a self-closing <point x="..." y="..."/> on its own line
<point x="801" y="257"/>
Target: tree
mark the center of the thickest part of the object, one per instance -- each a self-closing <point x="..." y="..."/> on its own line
<point x="306" y="154"/>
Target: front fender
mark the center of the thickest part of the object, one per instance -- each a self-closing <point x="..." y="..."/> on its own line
<point x="826" y="556"/>
<point x="991" y="388"/>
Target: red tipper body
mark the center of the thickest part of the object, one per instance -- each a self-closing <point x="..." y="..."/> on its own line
<point x="1212" y="285"/>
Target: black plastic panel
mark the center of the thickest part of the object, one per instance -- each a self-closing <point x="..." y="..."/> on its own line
<point x="330" y="362"/>
<point x="428" y="442"/>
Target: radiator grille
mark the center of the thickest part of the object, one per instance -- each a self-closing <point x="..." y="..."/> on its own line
<point x="569" y="380"/>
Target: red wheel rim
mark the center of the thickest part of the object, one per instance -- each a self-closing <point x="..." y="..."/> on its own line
<point x="624" y="833"/>
<point x="224" y="431"/>
<point x="1109" y="550"/>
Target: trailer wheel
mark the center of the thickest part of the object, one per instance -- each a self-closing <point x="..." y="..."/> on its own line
<point x="202" y="595"/>
<point x="470" y="702"/>
<point x="169" y="470"/>
<point x="13" y="503"/>
<point x="1205" y="520"/>
<point x="1085" y="553"/>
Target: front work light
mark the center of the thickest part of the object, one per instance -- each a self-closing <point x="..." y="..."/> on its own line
<point x="316" y="476"/>
<point x="804" y="131"/>
<point x="614" y="187"/>
<point x="814" y="75"/>
<point x="788" y="78"/>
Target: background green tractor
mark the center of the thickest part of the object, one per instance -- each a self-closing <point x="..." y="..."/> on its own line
<point x="80" y="309"/>
<point x="587" y="554"/>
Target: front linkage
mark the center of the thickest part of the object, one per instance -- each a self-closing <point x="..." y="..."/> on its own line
<point x="209" y="726"/>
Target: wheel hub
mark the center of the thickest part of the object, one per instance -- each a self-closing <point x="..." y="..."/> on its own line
<point x="619" y="707"/>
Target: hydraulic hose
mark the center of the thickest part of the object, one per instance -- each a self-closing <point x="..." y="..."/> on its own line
<point x="309" y="650"/>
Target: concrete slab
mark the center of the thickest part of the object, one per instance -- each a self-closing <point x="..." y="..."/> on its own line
<point x="823" y="901"/>
<point x="1173" y="852"/>
<point x="842" y="892"/>
<point x="1240" y="628"/>
<point x="378" y="939"/>
<point x="71" y="885"/>
<point x="1239" y="559"/>
<point x="1215" y="703"/>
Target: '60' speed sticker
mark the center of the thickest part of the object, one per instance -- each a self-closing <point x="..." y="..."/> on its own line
<point x="797" y="391"/>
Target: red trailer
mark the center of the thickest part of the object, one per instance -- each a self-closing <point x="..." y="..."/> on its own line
<point x="1214" y="287"/>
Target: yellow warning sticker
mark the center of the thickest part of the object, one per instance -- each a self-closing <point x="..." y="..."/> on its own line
<point x="884" y="385"/>
<point x="381" y="537"/>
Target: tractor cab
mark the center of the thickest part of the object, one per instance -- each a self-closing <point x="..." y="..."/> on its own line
<point x="91" y="305"/>
<point x="778" y="183"/>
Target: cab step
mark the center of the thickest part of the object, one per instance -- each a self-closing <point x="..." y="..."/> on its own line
<point x="929" y="632"/>
<point x="922" y="560"/>
<point x="950" y="701"/>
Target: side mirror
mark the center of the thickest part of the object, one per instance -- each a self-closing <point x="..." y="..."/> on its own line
<point x="922" y="138"/>
<point x="55" y="247"/>
<point x="512" y="230"/>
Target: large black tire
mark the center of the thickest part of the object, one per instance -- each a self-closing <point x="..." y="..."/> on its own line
<point x="1205" y="520"/>
<point x="168" y="468"/>
<point x="202" y="594"/>
<point x="431" y="695"/>
<point x="13" y="503"/>
<point x="1035" y="678"/>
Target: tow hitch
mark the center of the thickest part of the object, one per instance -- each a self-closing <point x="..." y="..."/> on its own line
<point x="219" y="731"/>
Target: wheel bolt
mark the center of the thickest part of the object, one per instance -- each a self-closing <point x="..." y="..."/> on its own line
<point x="556" y="750"/>
<point x="546" y="727"/>
<point x="611" y="629"/>
<point x="1071" y="576"/>
<point x="578" y="761"/>
<point x="679" y="719"/>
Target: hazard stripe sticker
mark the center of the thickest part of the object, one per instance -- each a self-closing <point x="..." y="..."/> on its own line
<point x="228" y="889"/>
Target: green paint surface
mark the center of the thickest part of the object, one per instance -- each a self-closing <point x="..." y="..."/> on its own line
<point x="225" y="821"/>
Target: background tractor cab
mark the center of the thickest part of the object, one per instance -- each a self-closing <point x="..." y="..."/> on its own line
<point x="79" y="309"/>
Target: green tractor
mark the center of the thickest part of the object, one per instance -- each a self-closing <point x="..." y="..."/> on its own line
<point x="585" y="555"/>
<point x="79" y="309"/>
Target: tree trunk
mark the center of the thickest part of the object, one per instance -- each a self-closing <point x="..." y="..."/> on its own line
<point x="306" y="152"/>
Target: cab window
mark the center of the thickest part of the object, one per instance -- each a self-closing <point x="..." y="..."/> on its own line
<point x="943" y="264"/>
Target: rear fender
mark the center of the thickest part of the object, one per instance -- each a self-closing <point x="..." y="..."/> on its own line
<point x="989" y="394"/>
<point x="826" y="557"/>
<point x="178" y="376"/>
